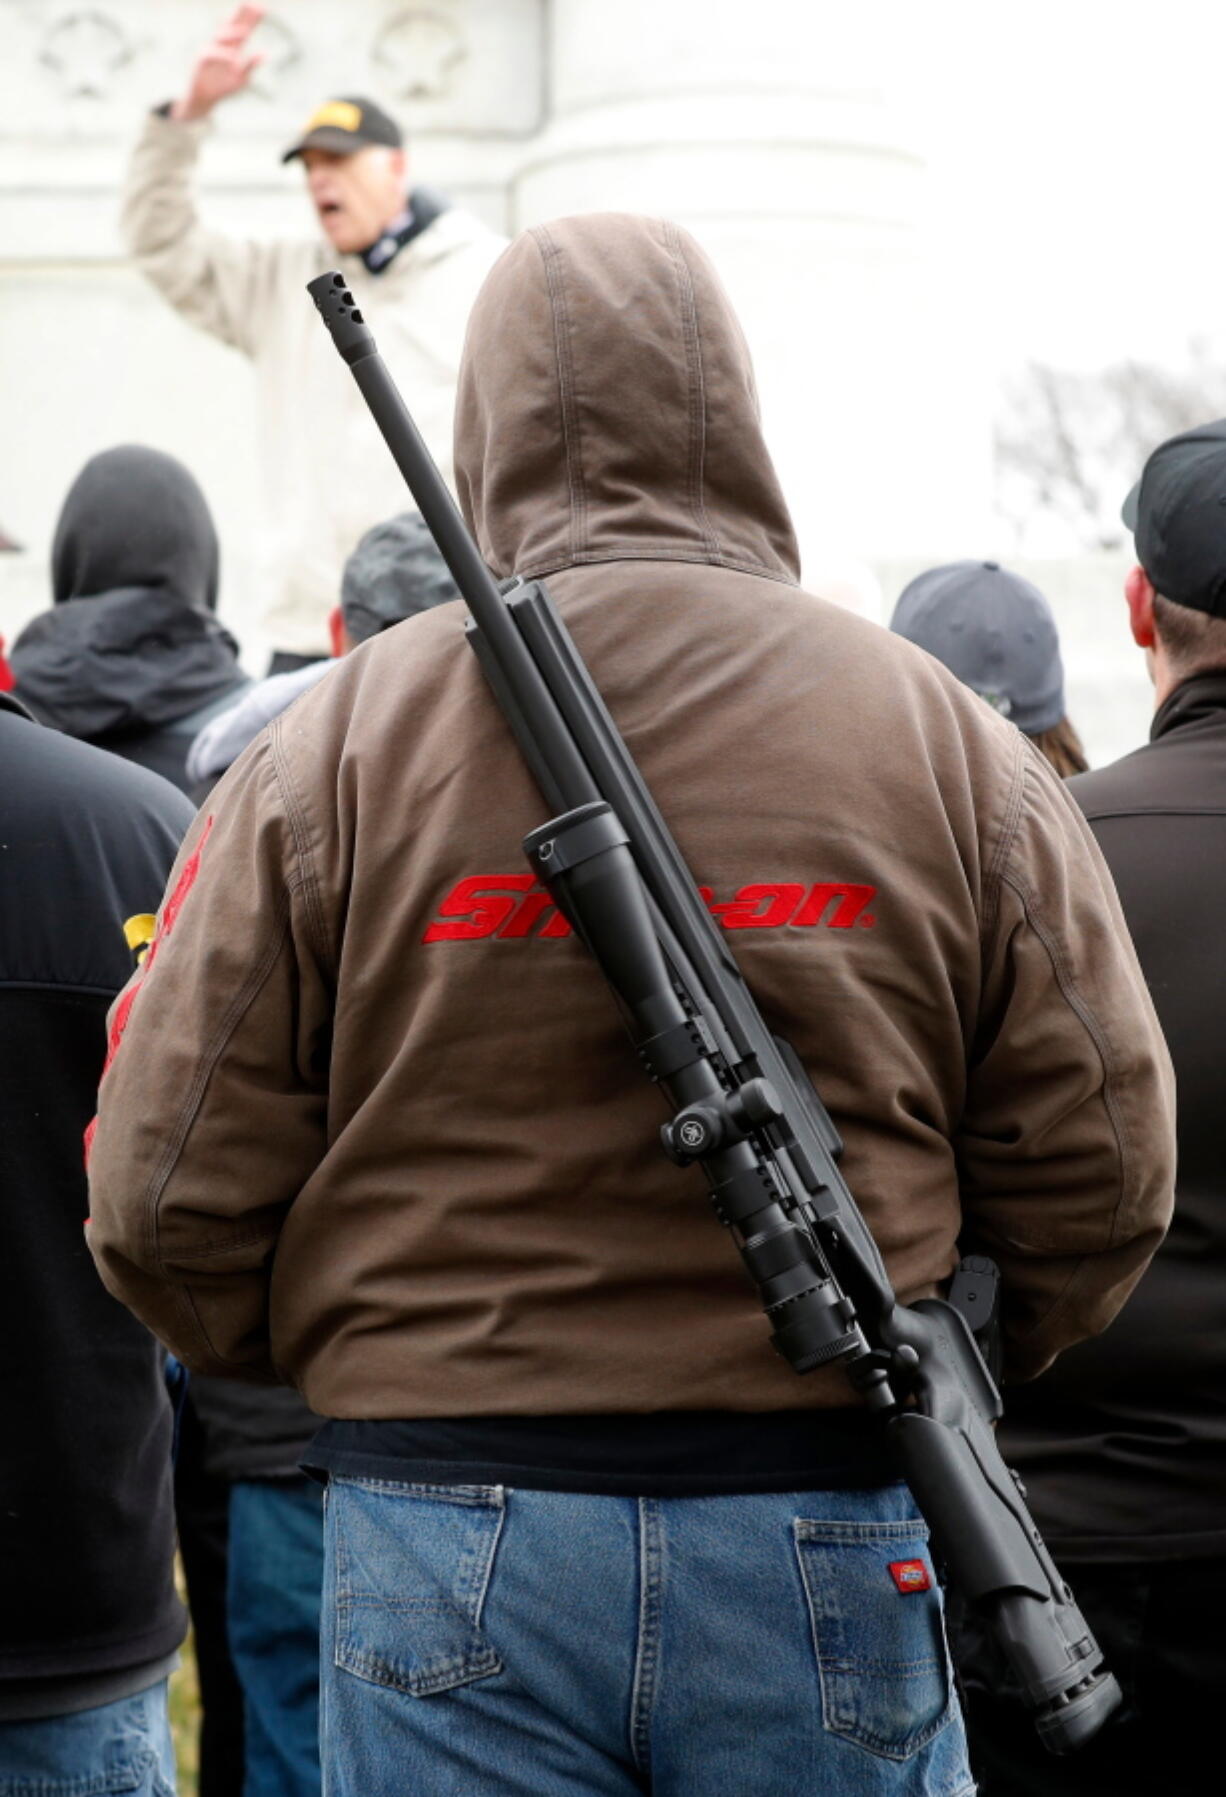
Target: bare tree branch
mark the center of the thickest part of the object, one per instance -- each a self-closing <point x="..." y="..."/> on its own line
<point x="1069" y="445"/>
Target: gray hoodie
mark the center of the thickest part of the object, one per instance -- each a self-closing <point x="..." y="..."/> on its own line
<point x="225" y="736"/>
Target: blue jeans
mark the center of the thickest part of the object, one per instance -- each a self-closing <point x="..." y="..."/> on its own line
<point x="485" y="1642"/>
<point x="273" y="1597"/>
<point x="122" y="1746"/>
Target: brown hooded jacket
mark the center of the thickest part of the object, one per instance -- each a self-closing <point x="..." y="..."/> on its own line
<point x="373" y="1120"/>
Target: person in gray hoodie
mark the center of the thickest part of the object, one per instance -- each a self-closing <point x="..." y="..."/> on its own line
<point x="395" y="572"/>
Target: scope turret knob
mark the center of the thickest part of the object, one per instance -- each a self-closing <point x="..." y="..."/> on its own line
<point x="693" y="1132"/>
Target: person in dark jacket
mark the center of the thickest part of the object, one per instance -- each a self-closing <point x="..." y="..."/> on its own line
<point x="131" y="656"/>
<point x="1122" y="1445"/>
<point x="996" y="632"/>
<point x="89" y="1620"/>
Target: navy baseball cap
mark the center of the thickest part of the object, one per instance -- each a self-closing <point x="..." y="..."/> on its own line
<point x="994" y="631"/>
<point x="343" y="126"/>
<point x="1177" y="513"/>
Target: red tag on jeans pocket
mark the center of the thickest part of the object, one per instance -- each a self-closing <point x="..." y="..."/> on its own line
<point x="910" y="1575"/>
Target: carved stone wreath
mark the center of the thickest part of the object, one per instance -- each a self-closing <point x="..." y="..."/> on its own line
<point x="420" y="47"/>
<point x="85" y="51"/>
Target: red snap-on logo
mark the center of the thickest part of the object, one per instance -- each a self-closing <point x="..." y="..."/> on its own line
<point x="910" y="1575"/>
<point x="513" y="906"/>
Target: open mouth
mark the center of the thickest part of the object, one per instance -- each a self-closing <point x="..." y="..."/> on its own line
<point x="330" y="209"/>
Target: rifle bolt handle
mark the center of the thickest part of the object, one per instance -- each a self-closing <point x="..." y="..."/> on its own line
<point x="754" y="1103"/>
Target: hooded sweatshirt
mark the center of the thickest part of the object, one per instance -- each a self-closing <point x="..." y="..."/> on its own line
<point x="371" y="1117"/>
<point x="131" y="656"/>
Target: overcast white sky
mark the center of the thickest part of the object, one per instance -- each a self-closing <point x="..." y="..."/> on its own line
<point x="1078" y="158"/>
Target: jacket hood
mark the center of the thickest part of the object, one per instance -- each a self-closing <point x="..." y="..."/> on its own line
<point x="120" y="662"/>
<point x="136" y="518"/>
<point x="607" y="409"/>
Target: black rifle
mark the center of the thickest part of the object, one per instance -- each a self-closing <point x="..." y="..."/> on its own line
<point x="745" y="1109"/>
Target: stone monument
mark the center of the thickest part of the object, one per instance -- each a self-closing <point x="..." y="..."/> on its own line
<point x="770" y="131"/>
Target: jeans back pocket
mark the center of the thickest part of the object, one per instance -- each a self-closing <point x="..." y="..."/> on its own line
<point x="877" y="1631"/>
<point x="411" y="1567"/>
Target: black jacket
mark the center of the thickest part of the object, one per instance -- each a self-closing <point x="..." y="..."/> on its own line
<point x="86" y="1520"/>
<point x="1123" y="1444"/>
<point x="130" y="656"/>
<point x="252" y="1431"/>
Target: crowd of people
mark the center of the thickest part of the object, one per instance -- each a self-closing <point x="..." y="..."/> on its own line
<point x="389" y="1317"/>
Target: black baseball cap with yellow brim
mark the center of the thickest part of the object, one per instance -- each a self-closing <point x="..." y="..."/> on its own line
<point x="345" y="125"/>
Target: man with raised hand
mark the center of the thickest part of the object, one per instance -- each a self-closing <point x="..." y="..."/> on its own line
<point x="424" y="258"/>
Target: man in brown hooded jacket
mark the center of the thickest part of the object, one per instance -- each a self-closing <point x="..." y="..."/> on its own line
<point x="371" y="1125"/>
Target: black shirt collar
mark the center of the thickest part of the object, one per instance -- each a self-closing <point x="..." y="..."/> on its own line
<point x="418" y="215"/>
<point x="1202" y="696"/>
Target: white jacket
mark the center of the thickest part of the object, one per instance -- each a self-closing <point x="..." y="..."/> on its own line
<point x="327" y="476"/>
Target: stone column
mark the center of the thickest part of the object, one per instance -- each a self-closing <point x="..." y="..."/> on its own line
<point x="769" y="130"/>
